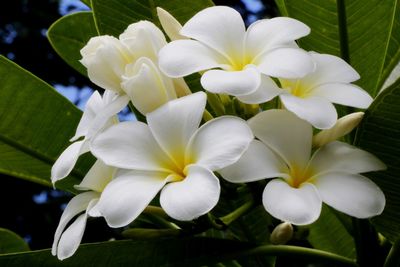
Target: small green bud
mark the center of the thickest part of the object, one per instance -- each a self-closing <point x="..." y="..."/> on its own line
<point x="282" y="234"/>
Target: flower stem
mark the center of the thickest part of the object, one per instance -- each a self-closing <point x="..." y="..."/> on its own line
<point x="393" y="258"/>
<point x="300" y="252"/>
<point x="207" y="116"/>
<point x="216" y="104"/>
<point x="231" y="217"/>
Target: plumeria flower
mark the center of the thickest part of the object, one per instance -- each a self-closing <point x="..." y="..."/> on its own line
<point x="330" y="175"/>
<point x="170" y="154"/>
<point x="99" y="114"/>
<point x="128" y="66"/>
<point x="243" y="58"/>
<point x="311" y="97"/>
<point x="66" y="241"/>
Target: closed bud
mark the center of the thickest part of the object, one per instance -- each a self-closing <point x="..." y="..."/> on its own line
<point x="170" y="25"/>
<point x="342" y="127"/>
<point x="282" y="234"/>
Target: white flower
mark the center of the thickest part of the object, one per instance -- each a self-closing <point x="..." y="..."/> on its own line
<point x="66" y="241"/>
<point x="331" y="175"/>
<point x="311" y="97"/>
<point x="170" y="154"/>
<point x="99" y="114"/>
<point x="128" y="65"/>
<point x="244" y="57"/>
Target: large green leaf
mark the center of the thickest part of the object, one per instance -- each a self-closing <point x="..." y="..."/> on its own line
<point x="379" y="133"/>
<point x="166" y="252"/>
<point x="10" y="242"/>
<point x="365" y="32"/>
<point x="69" y="35"/>
<point x="113" y="16"/>
<point x="35" y="125"/>
<point x="325" y="228"/>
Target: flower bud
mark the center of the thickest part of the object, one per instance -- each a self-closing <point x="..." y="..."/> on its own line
<point x="170" y="25"/>
<point x="282" y="234"/>
<point x="342" y="127"/>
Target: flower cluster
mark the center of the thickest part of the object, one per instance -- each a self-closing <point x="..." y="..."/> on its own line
<point x="181" y="151"/>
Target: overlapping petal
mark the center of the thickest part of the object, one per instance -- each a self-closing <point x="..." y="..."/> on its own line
<point x="219" y="143"/>
<point x="352" y="194"/>
<point x="265" y="92"/>
<point x="298" y="206"/>
<point x="257" y="163"/>
<point x="192" y="197"/>
<point x="98" y="176"/>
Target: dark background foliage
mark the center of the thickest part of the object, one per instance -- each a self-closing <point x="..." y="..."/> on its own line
<point x="31" y="210"/>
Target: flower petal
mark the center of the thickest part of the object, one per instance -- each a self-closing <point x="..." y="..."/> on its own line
<point x="192" y="197"/>
<point x="183" y="57"/>
<point x="316" y="110"/>
<point x="231" y="82"/>
<point x="257" y="163"/>
<point x="173" y="124"/>
<point x="267" y="34"/>
<point x="286" y="63"/>
<point x="344" y="94"/>
<point x="127" y="195"/>
<point x="297" y="206"/>
<point x="219" y="143"/>
<point x="67" y="160"/>
<point x="265" y="92"/>
<point x="286" y="134"/>
<point x="76" y="205"/>
<point x="146" y="86"/>
<point x="169" y="24"/>
<point x="339" y="156"/>
<point x="97" y="177"/>
<point x="130" y="145"/>
<point x="71" y="238"/>
<point x="330" y="69"/>
<point x="219" y="27"/>
<point x="352" y="194"/>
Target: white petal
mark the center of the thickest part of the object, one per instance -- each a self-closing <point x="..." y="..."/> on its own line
<point x="219" y="27"/>
<point x="130" y="145"/>
<point x="169" y="24"/>
<point x="71" y="238"/>
<point x="104" y="117"/>
<point x="146" y="86"/>
<point x="265" y="92"/>
<point x="126" y="196"/>
<point x="143" y="39"/>
<point x="344" y="94"/>
<point x="173" y="124"/>
<point x="77" y="205"/>
<point x="95" y="101"/>
<point x="267" y="34"/>
<point x="67" y="160"/>
<point x="297" y="206"/>
<point x="219" y="143"/>
<point x="330" y="69"/>
<point x="338" y="156"/>
<point x="196" y="195"/>
<point x="231" y="82"/>
<point x="184" y="57"/>
<point x="352" y="194"/>
<point x="286" y="63"/>
<point x="286" y="134"/>
<point x="316" y="110"/>
<point x="97" y="177"/>
<point x="257" y="163"/>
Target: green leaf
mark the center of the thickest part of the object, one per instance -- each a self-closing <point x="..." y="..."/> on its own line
<point x="329" y="233"/>
<point x="36" y="123"/>
<point x="69" y="35"/>
<point x="10" y="242"/>
<point x="379" y="133"/>
<point x="164" y="252"/>
<point x="364" y="32"/>
<point x="113" y="16"/>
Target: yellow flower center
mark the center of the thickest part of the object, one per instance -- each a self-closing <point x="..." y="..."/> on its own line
<point x="295" y="87"/>
<point x="298" y="176"/>
<point x="239" y="62"/>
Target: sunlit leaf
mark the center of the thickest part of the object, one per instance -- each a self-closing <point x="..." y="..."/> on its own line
<point x="379" y="133"/>
<point x="10" y="242"/>
<point x="69" y="35"/>
<point x="364" y="32"/>
<point x="36" y="123"/>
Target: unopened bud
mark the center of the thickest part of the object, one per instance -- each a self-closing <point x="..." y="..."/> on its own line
<point x="282" y="234"/>
<point x="170" y="25"/>
<point x="342" y="127"/>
